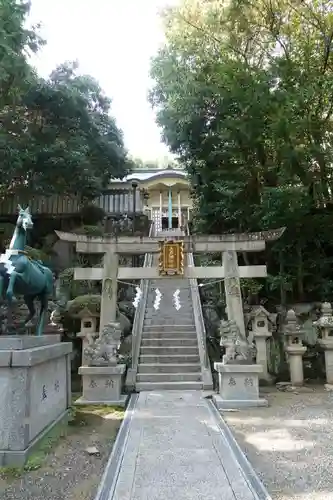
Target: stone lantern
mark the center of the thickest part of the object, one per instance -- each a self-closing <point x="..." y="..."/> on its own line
<point x="294" y="347"/>
<point x="259" y="320"/>
<point x="325" y="329"/>
<point x="88" y="330"/>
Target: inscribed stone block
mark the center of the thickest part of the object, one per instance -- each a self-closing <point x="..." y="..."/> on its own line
<point x="34" y="392"/>
<point x="239" y="385"/>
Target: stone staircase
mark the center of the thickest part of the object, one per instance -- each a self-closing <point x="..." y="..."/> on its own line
<point x="169" y="354"/>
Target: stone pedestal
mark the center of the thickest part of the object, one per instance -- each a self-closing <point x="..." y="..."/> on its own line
<point x="294" y="347"/>
<point x="102" y="385"/>
<point x="35" y="392"/>
<point x="238" y="386"/>
<point x="295" y="355"/>
<point x="327" y="345"/>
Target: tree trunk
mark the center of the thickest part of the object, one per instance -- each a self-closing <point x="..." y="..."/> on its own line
<point x="300" y="272"/>
<point x="283" y="295"/>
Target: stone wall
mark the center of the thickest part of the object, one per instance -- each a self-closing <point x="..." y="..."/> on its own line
<point x="35" y="391"/>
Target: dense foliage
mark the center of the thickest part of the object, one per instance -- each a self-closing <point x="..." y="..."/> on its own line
<point x="56" y="134"/>
<point x="244" y="94"/>
<point x="159" y="164"/>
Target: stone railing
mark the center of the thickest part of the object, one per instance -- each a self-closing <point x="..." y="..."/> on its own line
<point x="138" y="320"/>
<point x="200" y="326"/>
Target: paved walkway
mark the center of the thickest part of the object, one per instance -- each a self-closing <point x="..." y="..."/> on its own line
<point x="175" y="450"/>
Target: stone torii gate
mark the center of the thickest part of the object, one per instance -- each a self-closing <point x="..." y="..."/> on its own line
<point x="228" y="244"/>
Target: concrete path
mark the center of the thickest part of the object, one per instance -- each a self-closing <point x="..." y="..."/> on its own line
<point x="176" y="450"/>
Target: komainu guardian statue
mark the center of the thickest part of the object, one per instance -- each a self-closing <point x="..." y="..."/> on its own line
<point x="103" y="351"/>
<point x="238" y="351"/>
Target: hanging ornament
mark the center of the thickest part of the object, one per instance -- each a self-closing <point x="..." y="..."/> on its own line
<point x="158" y="297"/>
<point x="5" y="260"/>
<point x="176" y="300"/>
<point x="137" y="297"/>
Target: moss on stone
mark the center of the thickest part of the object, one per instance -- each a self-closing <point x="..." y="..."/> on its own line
<point x="89" y="230"/>
<point x="90" y="301"/>
<point x="66" y="276"/>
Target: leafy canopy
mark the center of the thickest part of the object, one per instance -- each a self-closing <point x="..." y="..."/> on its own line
<point x="243" y="93"/>
<point x="57" y="134"/>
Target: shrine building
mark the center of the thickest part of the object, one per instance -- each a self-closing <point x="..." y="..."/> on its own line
<point x="162" y="195"/>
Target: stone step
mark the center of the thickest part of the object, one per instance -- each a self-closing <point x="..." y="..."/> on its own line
<point x="168" y="295"/>
<point x="170" y="284"/>
<point x="169" y="306"/>
<point x="168" y="335"/>
<point x="181" y="283"/>
<point x="172" y="313"/>
<point x="161" y="322"/>
<point x="161" y="359"/>
<point x="168" y="386"/>
<point x="168" y="291"/>
<point x="174" y="342"/>
<point x="169" y="368"/>
<point x="167" y="302"/>
<point x="176" y="333"/>
<point x="168" y="328"/>
<point x="156" y="351"/>
<point x="169" y="288"/>
<point x="168" y="377"/>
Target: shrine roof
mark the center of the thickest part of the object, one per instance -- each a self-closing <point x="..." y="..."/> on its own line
<point x="145" y="175"/>
<point x="258" y="311"/>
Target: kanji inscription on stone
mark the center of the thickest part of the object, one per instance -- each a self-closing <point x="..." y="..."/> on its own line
<point x="232" y="381"/>
<point x="56" y="386"/>
<point x="44" y="394"/>
<point x="248" y="382"/>
<point x="92" y="384"/>
<point x="109" y="383"/>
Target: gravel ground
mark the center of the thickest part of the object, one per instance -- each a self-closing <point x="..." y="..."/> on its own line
<point x="69" y="472"/>
<point x="290" y="443"/>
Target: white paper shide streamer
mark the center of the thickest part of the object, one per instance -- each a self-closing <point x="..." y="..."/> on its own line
<point x="157" y="301"/>
<point x="137" y="297"/>
<point x="176" y="300"/>
<point x="5" y="260"/>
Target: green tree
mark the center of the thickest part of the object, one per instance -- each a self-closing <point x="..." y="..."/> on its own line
<point x="242" y="92"/>
<point x="57" y="134"/>
<point x="16" y="42"/>
<point x="60" y="138"/>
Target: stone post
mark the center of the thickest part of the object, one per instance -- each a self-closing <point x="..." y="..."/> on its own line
<point x="109" y="289"/>
<point x="233" y="294"/>
<point x="325" y="329"/>
<point x="260" y="333"/>
<point x="294" y="348"/>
